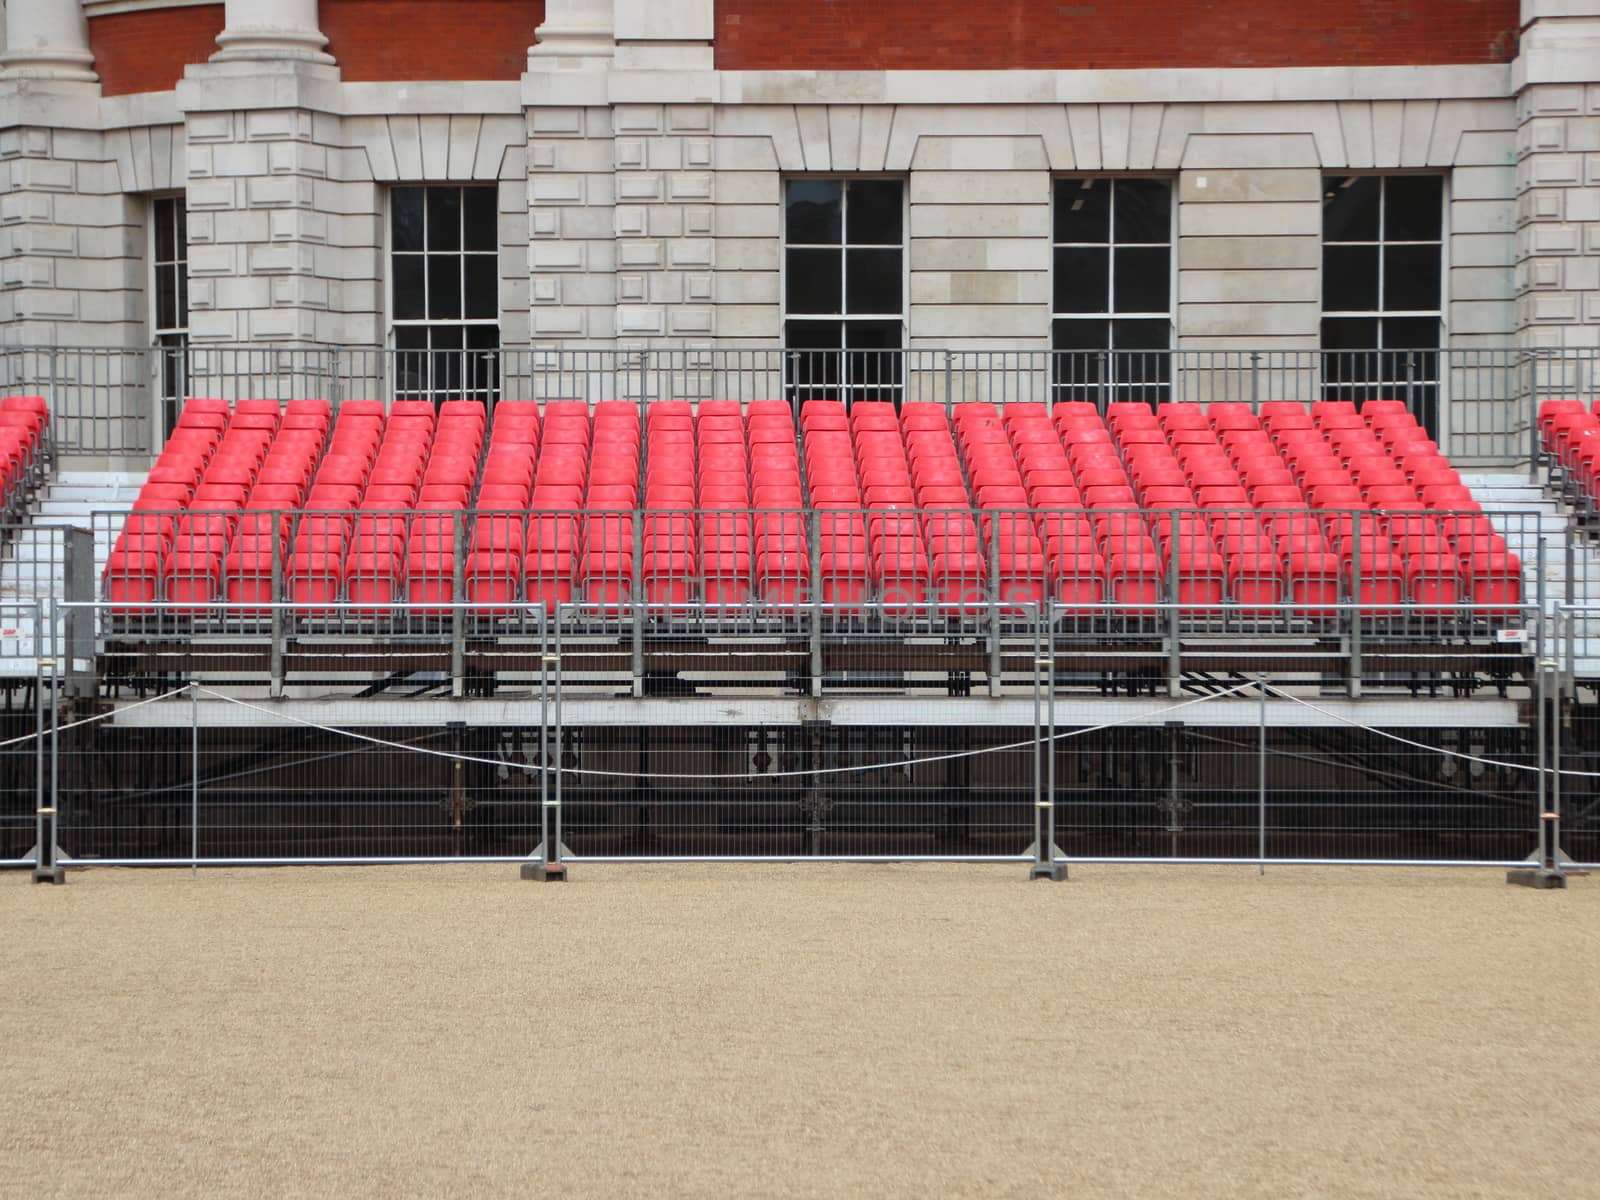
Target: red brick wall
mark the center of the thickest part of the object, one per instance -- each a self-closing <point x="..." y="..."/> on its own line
<point x="864" y="35"/>
<point x="430" y="39"/>
<point x="147" y="51"/>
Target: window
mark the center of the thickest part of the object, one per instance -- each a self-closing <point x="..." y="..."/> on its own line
<point x="1382" y="288"/>
<point x="1112" y="289"/>
<point x="444" y="289"/>
<point x="844" y="288"/>
<point x="169" y="324"/>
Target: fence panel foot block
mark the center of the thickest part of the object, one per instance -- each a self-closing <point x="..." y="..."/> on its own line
<point x="545" y="873"/>
<point x="1536" y="877"/>
<point x="1055" y="872"/>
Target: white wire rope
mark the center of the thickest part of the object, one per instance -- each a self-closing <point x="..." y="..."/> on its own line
<point x="1405" y="741"/>
<point x="887" y="766"/>
<point x="28" y="737"/>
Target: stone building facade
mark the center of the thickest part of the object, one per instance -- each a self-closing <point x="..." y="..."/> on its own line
<point x="652" y="160"/>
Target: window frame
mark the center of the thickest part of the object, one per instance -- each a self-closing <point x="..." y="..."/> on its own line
<point x="430" y="388"/>
<point x="170" y="342"/>
<point x="844" y="389"/>
<point x="1379" y="381"/>
<point x="1117" y="384"/>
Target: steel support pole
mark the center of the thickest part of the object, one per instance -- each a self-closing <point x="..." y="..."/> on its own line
<point x="549" y="868"/>
<point x="1044" y="777"/>
<point x="1261" y="781"/>
<point x="458" y="613"/>
<point x="194" y="782"/>
<point x="1355" y="610"/>
<point x="45" y="867"/>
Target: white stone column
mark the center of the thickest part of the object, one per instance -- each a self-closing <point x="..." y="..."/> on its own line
<point x="271" y="29"/>
<point x="573" y="30"/>
<point x="47" y="39"/>
<point x="1557" y="80"/>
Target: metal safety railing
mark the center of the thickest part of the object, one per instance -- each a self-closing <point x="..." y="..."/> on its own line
<point x="1479" y="404"/>
<point x="1235" y="770"/>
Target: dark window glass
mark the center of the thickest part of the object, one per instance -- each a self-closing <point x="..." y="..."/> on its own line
<point x="1082" y="282"/>
<point x="1349" y="333"/>
<point x="1420" y="333"/>
<point x="1411" y="277"/>
<point x="411" y="337"/>
<point x="872" y="281"/>
<point x="1413" y="208"/>
<point x="166" y="298"/>
<point x="815" y="335"/>
<point x="1349" y="278"/>
<point x="165" y="223"/>
<point x="1350" y="208"/>
<point x="481" y="221"/>
<point x="180" y="210"/>
<point x="1140" y="335"/>
<point x="1143" y="211"/>
<point x="408" y="287"/>
<point x="444" y="218"/>
<point x="812" y="282"/>
<point x="875" y="212"/>
<point x="1083" y="335"/>
<point x="405" y="218"/>
<point x="1142" y="282"/>
<point x="872" y="335"/>
<point x="814" y="211"/>
<point x="483" y="286"/>
<point x="1083" y="210"/>
<point x="182" y="272"/>
<point x="444" y="287"/>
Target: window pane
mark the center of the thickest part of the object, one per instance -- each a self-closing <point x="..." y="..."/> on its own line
<point x="813" y="210"/>
<point x="1143" y="211"/>
<point x="180" y="211"/>
<point x="166" y="298"/>
<point x="1141" y="335"/>
<point x="874" y="211"/>
<point x="1143" y="278"/>
<point x="411" y="337"/>
<point x="181" y="271"/>
<point x="444" y="218"/>
<point x="1082" y="335"/>
<point x="482" y="222"/>
<point x="483" y="286"/>
<point x="814" y="362"/>
<point x="1349" y="278"/>
<point x="1349" y="333"/>
<point x="872" y="359"/>
<point x="1350" y="208"/>
<point x="1411" y="278"/>
<point x="164" y="221"/>
<point x="1420" y="333"/>
<point x="405" y="218"/>
<point x="872" y="282"/>
<point x="1413" y="208"/>
<point x="812" y="281"/>
<point x="1082" y="281"/>
<point x="444" y="287"/>
<point x="872" y="335"/>
<point x="408" y="286"/>
<point x="1083" y="210"/>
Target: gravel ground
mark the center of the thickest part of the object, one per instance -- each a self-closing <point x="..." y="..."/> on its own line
<point x="767" y="1031"/>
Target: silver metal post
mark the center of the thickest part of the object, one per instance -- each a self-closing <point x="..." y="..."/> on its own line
<point x="1355" y="610"/>
<point x="1261" y="781"/>
<point x="275" y="664"/>
<point x="1552" y="815"/>
<point x="194" y="782"/>
<point x="1533" y="422"/>
<point x="1044" y="826"/>
<point x="39" y="846"/>
<point x="458" y="612"/>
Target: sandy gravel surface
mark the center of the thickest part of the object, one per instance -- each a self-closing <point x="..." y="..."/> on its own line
<point x="831" y="1030"/>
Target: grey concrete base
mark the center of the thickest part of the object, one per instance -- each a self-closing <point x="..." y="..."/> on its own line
<point x="1536" y="877"/>
<point x="540" y="873"/>
<point x="1055" y="872"/>
<point x="55" y="874"/>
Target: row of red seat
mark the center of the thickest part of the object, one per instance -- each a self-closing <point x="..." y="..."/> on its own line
<point x="24" y="426"/>
<point x="1252" y="508"/>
